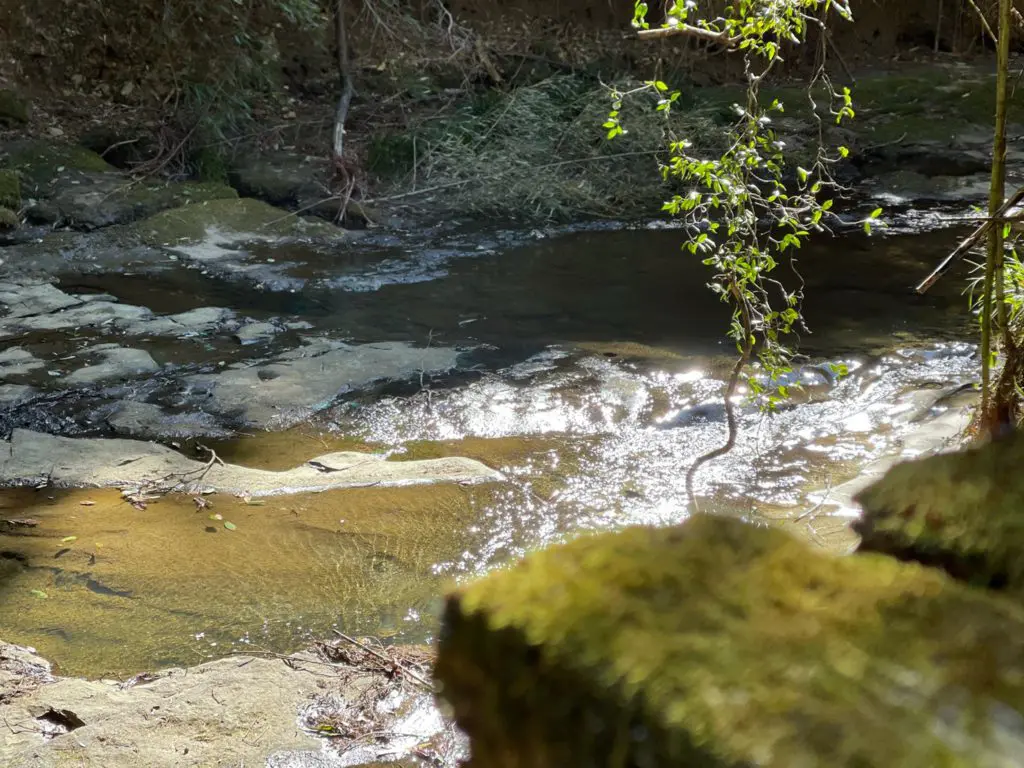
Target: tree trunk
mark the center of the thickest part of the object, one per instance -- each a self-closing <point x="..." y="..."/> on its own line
<point x="996" y="409"/>
<point x="345" y="77"/>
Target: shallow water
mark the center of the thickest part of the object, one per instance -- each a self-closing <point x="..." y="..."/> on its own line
<point x="597" y="383"/>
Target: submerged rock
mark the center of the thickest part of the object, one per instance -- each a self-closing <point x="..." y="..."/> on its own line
<point x="29" y="458"/>
<point x="147" y="421"/>
<point x="304" y="380"/>
<point x="963" y="512"/>
<point x="716" y="643"/>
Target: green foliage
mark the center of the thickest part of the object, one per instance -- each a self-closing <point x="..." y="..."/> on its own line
<point x="744" y="212"/>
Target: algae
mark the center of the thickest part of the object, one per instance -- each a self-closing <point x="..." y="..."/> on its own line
<point x="716" y="643"/>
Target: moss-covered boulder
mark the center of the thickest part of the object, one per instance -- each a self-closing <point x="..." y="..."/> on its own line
<point x="14" y="110"/>
<point x="8" y="219"/>
<point x="963" y="512"/>
<point x="10" y="190"/>
<point x="720" y="644"/>
<point x="100" y="200"/>
<point x="236" y="220"/>
<point x="39" y="163"/>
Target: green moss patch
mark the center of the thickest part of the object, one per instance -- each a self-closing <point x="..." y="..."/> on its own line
<point x="243" y="218"/>
<point x="10" y="190"/>
<point x="961" y="511"/>
<point x="14" y="110"/>
<point x="38" y="163"/>
<point x="720" y="644"/>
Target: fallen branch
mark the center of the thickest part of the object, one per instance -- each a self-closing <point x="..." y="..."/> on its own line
<point x="969" y="242"/>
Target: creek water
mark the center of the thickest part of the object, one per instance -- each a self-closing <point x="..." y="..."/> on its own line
<point x="593" y="378"/>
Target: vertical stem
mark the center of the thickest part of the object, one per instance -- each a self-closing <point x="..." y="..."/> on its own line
<point x="994" y="279"/>
<point x="345" y="77"/>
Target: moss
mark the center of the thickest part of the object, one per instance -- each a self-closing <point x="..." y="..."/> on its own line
<point x="14" y="110"/>
<point x="960" y="511"/>
<point x="243" y="217"/>
<point x="40" y="162"/>
<point x="721" y="644"/>
<point x="10" y="190"/>
<point x="8" y="219"/>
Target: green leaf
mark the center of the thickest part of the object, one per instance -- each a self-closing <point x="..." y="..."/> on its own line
<point x="39" y="593"/>
<point x="876" y="213"/>
<point x="229" y="525"/>
<point x="68" y="539"/>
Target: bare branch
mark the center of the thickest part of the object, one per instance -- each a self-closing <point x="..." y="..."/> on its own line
<point x="689" y="31"/>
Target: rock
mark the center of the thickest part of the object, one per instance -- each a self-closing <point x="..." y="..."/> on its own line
<point x="230" y="221"/>
<point x="117" y="363"/>
<point x="254" y="333"/>
<point x="21" y="671"/>
<point x="716" y="643"/>
<point x="146" y="421"/>
<point x="280" y="178"/>
<point x="302" y="381"/>
<point x="14" y="110"/>
<point x="9" y="219"/>
<point x="10" y="190"/>
<point x="39" y="163"/>
<point x="29" y="457"/>
<point x="234" y="711"/>
<point x="39" y="306"/>
<point x="102" y="200"/>
<point x="123" y="150"/>
<point x="16" y="361"/>
<point x="958" y="511"/>
<point x="15" y="394"/>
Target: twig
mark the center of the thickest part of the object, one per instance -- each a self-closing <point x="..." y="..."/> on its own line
<point x="984" y="22"/>
<point x="969" y="243"/>
<point x="405" y="670"/>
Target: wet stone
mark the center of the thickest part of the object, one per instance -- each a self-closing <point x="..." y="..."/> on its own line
<point x="16" y="361"/>
<point x="115" y="363"/>
<point x="649" y="645"/>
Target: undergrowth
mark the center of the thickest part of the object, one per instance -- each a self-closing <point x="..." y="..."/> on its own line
<point x="537" y="151"/>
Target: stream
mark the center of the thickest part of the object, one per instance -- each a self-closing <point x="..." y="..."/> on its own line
<point x="590" y="373"/>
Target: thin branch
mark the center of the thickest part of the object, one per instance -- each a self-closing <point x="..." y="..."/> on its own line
<point x="969" y="242"/>
<point x="687" y="30"/>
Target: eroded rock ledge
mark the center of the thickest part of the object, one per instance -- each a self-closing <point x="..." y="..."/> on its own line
<point x="30" y="458"/>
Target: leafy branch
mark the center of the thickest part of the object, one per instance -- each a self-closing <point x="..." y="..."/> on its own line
<point x="745" y="213"/>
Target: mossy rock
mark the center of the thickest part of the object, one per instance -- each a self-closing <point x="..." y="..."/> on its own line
<point x="10" y="190"/>
<point x="95" y="203"/>
<point x="39" y="163"/>
<point x="14" y="110"/>
<point x="8" y="219"/>
<point x="239" y="219"/>
<point x="716" y="643"/>
<point x="963" y="512"/>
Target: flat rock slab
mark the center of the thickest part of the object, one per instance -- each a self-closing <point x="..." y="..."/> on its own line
<point x="963" y="512"/>
<point x="29" y="458"/>
<point x="291" y="387"/>
<point x="231" y="712"/>
<point x="716" y="643"/>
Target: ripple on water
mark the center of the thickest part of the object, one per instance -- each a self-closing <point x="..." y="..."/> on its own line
<point x="588" y="441"/>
